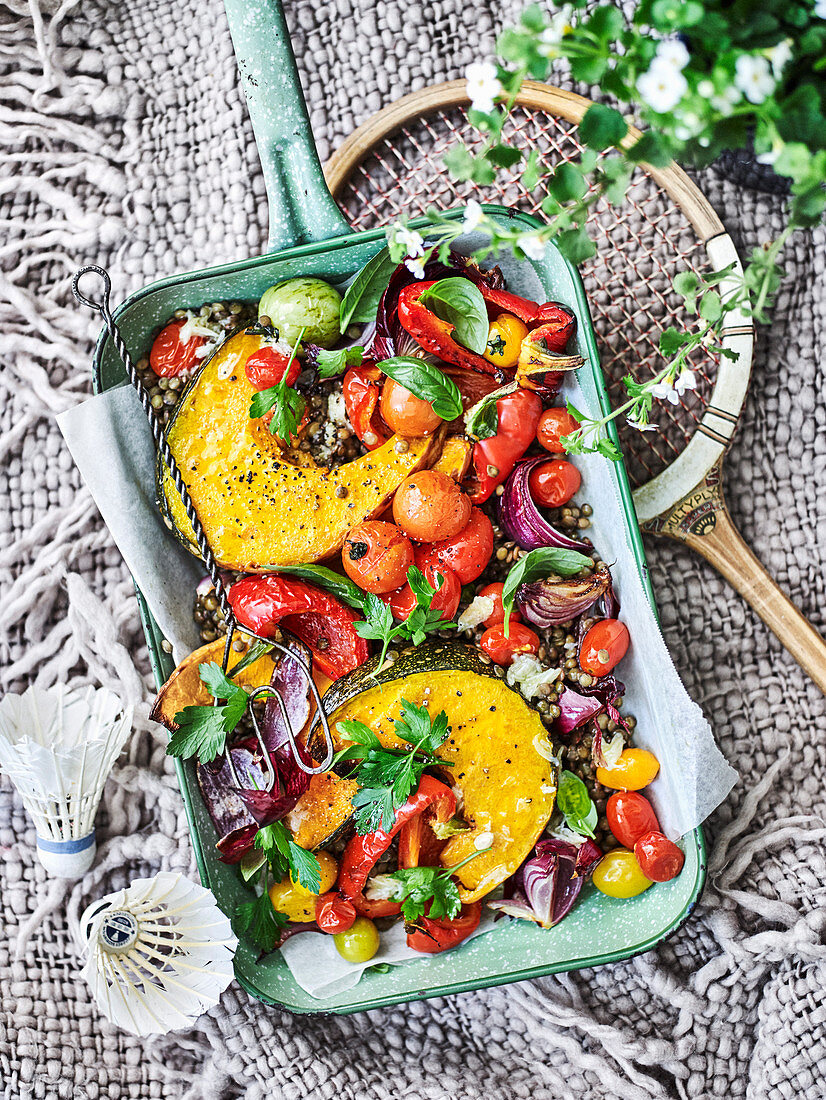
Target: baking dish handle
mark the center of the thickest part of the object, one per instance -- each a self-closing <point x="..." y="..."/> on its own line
<point x="301" y="208"/>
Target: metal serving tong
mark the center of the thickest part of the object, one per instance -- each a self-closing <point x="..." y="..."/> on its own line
<point x="102" y="307"/>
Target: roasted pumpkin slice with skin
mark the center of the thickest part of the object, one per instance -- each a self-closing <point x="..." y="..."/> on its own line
<point x="260" y="504"/>
<point x="324" y="808"/>
<point x="497" y="744"/>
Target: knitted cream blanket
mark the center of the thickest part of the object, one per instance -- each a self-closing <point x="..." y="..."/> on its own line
<point x="127" y="143"/>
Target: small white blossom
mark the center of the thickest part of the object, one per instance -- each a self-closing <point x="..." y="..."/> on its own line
<point x="415" y="266"/>
<point x="672" y="53"/>
<point x="685" y="381"/>
<point x="532" y="245"/>
<point x="688" y="127"/>
<point x="482" y="86"/>
<point x="558" y="27"/>
<point x="753" y="76"/>
<point x="779" y="56"/>
<point x="723" y="101"/>
<point x="474" y="216"/>
<point x="411" y="241"/>
<point x="662" y="87"/>
<point x="706" y="89"/>
<point x="641" y="425"/>
<point x="820" y="9"/>
<point x="664" y="391"/>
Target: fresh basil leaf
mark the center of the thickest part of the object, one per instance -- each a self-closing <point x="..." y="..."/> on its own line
<point x="362" y="297"/>
<point x="337" y="585"/>
<point x="539" y="563"/>
<point x="575" y="803"/>
<point x="331" y="363"/>
<point x="427" y="382"/>
<point x="482" y="421"/>
<point x="459" y="302"/>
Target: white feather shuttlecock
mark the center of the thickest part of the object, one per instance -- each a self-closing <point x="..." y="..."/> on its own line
<point x="58" y="746"/>
<point x="160" y="953"/>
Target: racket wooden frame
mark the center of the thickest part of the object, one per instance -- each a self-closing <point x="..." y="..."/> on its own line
<point x="685" y="501"/>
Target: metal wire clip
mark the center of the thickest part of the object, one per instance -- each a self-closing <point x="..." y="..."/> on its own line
<point x="204" y="548"/>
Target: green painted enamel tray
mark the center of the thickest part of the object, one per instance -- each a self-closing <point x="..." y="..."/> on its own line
<point x="308" y="236"/>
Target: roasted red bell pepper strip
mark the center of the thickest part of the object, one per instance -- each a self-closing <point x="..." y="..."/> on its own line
<point x="432" y="935"/>
<point x="554" y="324"/>
<point x="434" y="334"/>
<point x="504" y="301"/>
<point x="363" y="852"/>
<point x="361" y="398"/>
<point x="494" y="458"/>
<point x="318" y="619"/>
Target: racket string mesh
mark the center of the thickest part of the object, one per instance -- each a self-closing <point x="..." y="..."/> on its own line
<point x="640" y="245"/>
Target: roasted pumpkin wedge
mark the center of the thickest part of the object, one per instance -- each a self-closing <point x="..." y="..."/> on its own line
<point x="262" y="505"/>
<point x="323" y="809"/>
<point x="498" y="746"/>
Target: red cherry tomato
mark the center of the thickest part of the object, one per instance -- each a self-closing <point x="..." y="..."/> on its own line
<point x="659" y="858"/>
<point x="377" y="555"/>
<point x="497" y="616"/>
<point x="429" y="505"/>
<point x="630" y="816"/>
<point x="502" y="650"/>
<point x="553" y="424"/>
<point x="440" y="934"/>
<point x="402" y="600"/>
<point x="334" y="913"/>
<point x="268" y="366"/>
<point x="468" y="553"/>
<point x="603" y="646"/>
<point x="169" y="356"/>
<point x="554" y="483"/>
<point x="405" y="413"/>
<point x="362" y="390"/>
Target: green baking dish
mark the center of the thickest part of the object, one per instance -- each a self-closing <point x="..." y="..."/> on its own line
<point x="309" y="237"/>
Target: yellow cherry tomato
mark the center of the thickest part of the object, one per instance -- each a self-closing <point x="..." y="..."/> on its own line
<point x="505" y="337"/>
<point x="359" y="943"/>
<point x="619" y="875"/>
<point x="296" y="902"/>
<point x="635" y="769"/>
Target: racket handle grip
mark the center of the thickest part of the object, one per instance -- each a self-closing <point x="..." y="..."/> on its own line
<point x="726" y="550"/>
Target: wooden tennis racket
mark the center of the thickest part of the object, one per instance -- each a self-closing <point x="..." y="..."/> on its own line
<point x="392" y="166"/>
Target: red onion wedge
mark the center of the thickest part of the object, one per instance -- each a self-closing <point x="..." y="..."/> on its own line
<point x="548" y="603"/>
<point x="549" y="883"/>
<point x="521" y="519"/>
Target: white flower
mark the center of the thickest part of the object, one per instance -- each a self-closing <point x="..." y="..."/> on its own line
<point x="641" y="425"/>
<point x="532" y="245"/>
<point x="474" y="215"/>
<point x="482" y="86"/>
<point x="706" y="89"/>
<point x="558" y="27"/>
<point x="725" y="100"/>
<point x="664" y="391"/>
<point x="412" y="242"/>
<point x="820" y="9"/>
<point x="685" y="381"/>
<point x="415" y="266"/>
<point x="672" y="53"/>
<point x="662" y="87"/>
<point x="688" y="127"/>
<point x="779" y="56"/>
<point x="753" y="77"/>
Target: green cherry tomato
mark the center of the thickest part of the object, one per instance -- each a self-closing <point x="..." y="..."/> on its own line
<point x="619" y="875"/>
<point x="359" y="942"/>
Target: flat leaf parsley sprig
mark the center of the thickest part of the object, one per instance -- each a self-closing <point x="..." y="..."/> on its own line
<point x="378" y="623"/>
<point x="386" y="777"/>
<point x="698" y="80"/>
<point x="422" y="891"/>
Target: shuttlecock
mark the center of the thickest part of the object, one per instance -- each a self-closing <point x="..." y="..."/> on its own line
<point x="58" y="747"/>
<point x="160" y="953"/>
